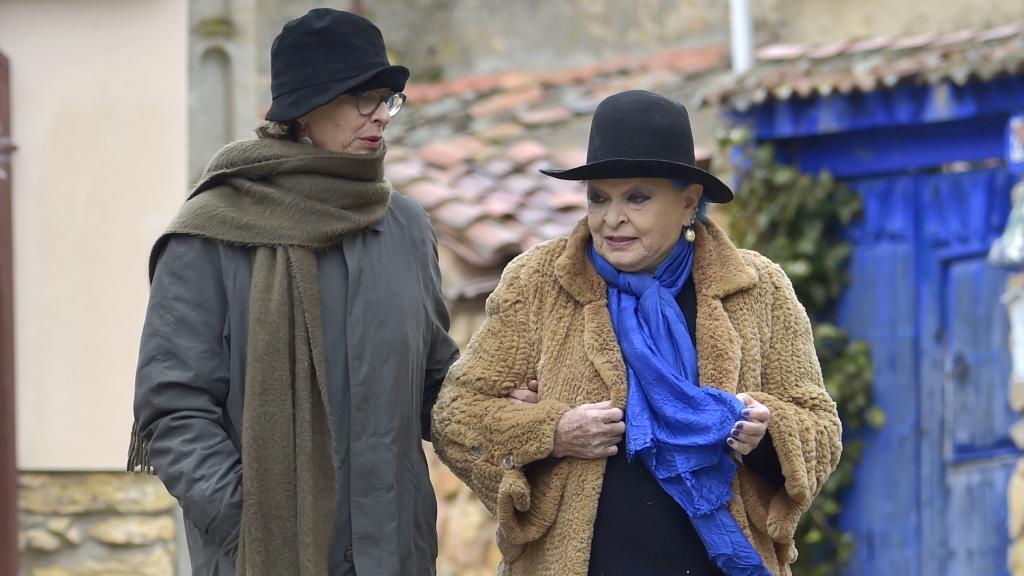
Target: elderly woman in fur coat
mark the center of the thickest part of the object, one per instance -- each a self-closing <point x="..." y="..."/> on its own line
<point x="674" y="421"/>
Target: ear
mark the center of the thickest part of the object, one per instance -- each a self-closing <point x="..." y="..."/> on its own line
<point x="691" y="196"/>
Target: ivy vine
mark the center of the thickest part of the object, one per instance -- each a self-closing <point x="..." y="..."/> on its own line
<point x="798" y="220"/>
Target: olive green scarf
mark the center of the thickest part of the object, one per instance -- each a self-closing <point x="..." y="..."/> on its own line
<point x="287" y="201"/>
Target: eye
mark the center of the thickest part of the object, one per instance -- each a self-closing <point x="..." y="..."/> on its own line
<point x="596" y="198"/>
<point x="638" y="197"/>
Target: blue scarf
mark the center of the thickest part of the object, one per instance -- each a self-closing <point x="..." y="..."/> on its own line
<point x="678" y="428"/>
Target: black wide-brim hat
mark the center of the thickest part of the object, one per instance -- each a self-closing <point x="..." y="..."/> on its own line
<point x="324" y="54"/>
<point x="640" y="134"/>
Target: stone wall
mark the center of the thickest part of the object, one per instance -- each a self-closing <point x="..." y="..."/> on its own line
<point x="95" y="524"/>
<point x="465" y="529"/>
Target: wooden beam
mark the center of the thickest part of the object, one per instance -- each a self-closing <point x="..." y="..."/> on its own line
<point x="8" y="466"/>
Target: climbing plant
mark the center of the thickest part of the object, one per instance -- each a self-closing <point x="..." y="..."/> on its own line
<point x="798" y="220"/>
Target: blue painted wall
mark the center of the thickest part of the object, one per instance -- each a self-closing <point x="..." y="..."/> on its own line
<point x="930" y="495"/>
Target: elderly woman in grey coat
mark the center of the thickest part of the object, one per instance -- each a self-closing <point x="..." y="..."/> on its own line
<point x="296" y="336"/>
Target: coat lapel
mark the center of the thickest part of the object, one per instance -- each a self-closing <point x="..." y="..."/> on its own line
<point x="718" y="272"/>
<point x="577" y="275"/>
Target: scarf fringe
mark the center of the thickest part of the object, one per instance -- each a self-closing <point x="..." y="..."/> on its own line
<point x="138" y="452"/>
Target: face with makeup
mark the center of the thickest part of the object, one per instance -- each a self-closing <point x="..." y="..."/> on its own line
<point x="635" y="222"/>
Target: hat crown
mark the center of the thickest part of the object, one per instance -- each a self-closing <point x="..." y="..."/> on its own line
<point x="641" y="125"/>
<point x="323" y="46"/>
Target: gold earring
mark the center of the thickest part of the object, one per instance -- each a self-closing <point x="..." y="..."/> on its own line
<point x="689" y="234"/>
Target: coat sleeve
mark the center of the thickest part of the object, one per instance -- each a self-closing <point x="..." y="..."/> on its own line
<point x="804" y="426"/>
<point x="182" y="383"/>
<point x="484" y="437"/>
<point x="443" y="350"/>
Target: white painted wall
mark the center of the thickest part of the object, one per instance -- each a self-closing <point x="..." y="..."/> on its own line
<point x="99" y="109"/>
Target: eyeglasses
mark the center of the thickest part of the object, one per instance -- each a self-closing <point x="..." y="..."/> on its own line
<point x="368" y="102"/>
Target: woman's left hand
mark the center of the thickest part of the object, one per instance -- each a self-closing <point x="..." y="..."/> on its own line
<point x="748" y="432"/>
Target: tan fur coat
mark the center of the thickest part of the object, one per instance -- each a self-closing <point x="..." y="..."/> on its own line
<point x="548" y="319"/>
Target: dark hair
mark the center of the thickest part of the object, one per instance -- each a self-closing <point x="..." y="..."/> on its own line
<point x="702" y="205"/>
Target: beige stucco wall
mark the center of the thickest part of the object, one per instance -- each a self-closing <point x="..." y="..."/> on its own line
<point x="99" y="115"/>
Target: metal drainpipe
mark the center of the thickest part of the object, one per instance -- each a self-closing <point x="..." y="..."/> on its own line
<point x="741" y="28"/>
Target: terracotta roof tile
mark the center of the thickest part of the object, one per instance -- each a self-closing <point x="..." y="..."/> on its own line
<point x="469" y="150"/>
<point x="500" y="204"/>
<point x="443" y="154"/>
<point x="869" y="45"/>
<point x="506" y="102"/>
<point x="519" y="184"/>
<point x="473" y="186"/>
<point x="403" y="172"/>
<point x="526" y="151"/>
<point x="788" y="71"/>
<point x="456" y="215"/>
<point x="492" y="237"/>
<point x="502" y="132"/>
<point x="569" y="158"/>
<point x="544" y="116"/>
<point x="500" y="167"/>
<point x="781" y="52"/>
<point x="427" y="194"/>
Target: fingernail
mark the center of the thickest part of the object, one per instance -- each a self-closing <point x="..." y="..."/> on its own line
<point x="736" y="433"/>
<point x="739" y="425"/>
<point x="745" y="413"/>
<point x="730" y="441"/>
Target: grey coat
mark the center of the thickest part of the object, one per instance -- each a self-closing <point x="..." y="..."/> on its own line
<point x="387" y="351"/>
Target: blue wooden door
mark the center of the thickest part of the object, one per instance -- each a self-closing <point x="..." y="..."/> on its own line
<point x="930" y="497"/>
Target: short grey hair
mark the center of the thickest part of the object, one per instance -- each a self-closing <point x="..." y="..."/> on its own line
<point x="279" y="130"/>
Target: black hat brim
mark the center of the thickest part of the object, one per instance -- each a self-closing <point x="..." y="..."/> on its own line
<point x="714" y="189"/>
<point x="294" y="104"/>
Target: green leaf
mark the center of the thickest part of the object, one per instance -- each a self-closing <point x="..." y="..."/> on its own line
<point x="799" y="221"/>
<point x="875" y="417"/>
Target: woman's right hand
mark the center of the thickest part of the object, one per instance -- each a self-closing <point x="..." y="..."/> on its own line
<point x="589" y="431"/>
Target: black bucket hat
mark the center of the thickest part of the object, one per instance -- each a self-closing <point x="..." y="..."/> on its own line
<point x="640" y="134"/>
<point x="326" y="53"/>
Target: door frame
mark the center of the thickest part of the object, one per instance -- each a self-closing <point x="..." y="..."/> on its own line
<point x="8" y="462"/>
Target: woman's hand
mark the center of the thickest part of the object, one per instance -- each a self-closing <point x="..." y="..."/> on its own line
<point x="748" y="432"/>
<point x="528" y="396"/>
<point x="589" y="431"/>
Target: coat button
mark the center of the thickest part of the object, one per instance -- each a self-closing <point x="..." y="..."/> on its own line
<point x="509" y="462"/>
<point x="475" y="453"/>
<point x="348" y="555"/>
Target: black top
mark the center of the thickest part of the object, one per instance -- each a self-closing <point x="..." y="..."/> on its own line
<point x="639" y="528"/>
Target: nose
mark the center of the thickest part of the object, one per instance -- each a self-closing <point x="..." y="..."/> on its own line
<point x="615" y="214"/>
<point x="381" y="115"/>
